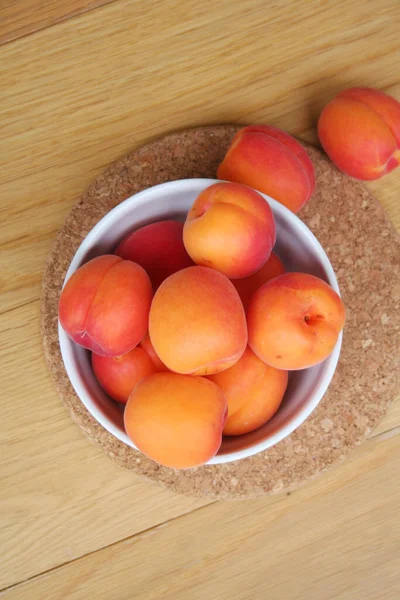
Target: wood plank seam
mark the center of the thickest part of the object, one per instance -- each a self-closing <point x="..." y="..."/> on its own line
<point x="17" y="306"/>
<point x="16" y="34"/>
<point x="99" y="77"/>
<point x="149" y="531"/>
<point x="139" y="535"/>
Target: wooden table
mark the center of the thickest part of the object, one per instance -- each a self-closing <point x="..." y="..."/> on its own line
<point x="82" y="83"/>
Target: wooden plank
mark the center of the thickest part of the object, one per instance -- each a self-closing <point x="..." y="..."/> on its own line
<point x="335" y="539"/>
<point x="60" y="496"/>
<point x="99" y="85"/>
<point x="98" y="90"/>
<point x="33" y="212"/>
<point x="70" y="486"/>
<point x="91" y="76"/>
<point x="22" y="17"/>
<point x="391" y="420"/>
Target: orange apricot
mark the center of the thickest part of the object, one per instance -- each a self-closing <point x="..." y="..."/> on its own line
<point x="176" y="420"/>
<point x="253" y="390"/>
<point x="271" y="161"/>
<point x="248" y="285"/>
<point x="118" y="375"/>
<point x="105" y="304"/>
<point x="148" y="346"/>
<point x="231" y="228"/>
<point x="360" y="132"/>
<point x="197" y="323"/>
<point x="294" y="321"/>
<point x="158" y="248"/>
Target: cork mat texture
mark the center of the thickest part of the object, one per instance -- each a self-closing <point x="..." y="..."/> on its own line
<point x="364" y="249"/>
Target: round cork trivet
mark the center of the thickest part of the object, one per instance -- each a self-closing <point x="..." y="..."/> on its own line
<point x="364" y="250"/>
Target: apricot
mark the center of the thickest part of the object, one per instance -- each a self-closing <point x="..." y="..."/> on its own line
<point x="105" y="304"/>
<point x="294" y="321"/>
<point x="148" y="347"/>
<point x="271" y="161"/>
<point x="254" y="392"/>
<point x="230" y="228"/>
<point x="158" y="248"/>
<point x="197" y="323"/>
<point x="360" y="132"/>
<point x="118" y="375"/>
<point x="176" y="420"/>
<point x="248" y="285"/>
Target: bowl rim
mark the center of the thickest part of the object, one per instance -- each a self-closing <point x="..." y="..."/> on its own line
<point x="67" y="345"/>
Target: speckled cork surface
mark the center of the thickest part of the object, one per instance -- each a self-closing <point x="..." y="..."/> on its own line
<point x="365" y="252"/>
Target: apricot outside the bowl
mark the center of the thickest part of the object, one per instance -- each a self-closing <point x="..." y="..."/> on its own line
<point x="360" y="132"/>
<point x="271" y="161"/>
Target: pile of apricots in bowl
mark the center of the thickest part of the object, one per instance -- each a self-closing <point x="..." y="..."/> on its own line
<point x="194" y="326"/>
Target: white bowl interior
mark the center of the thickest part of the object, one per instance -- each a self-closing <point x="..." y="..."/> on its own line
<point x="296" y="246"/>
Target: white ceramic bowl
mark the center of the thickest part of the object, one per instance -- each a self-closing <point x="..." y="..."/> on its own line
<point x="297" y="247"/>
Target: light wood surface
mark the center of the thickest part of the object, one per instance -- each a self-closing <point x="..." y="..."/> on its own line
<point x="22" y="17"/>
<point x="75" y="96"/>
<point x="332" y="538"/>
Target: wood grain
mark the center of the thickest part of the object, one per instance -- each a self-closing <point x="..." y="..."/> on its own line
<point x="97" y="91"/>
<point x="75" y="97"/>
<point x="330" y="540"/>
<point x="60" y="497"/>
<point x="22" y="17"/>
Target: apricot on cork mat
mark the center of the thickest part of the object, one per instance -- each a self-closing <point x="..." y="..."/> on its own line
<point x="364" y="250"/>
